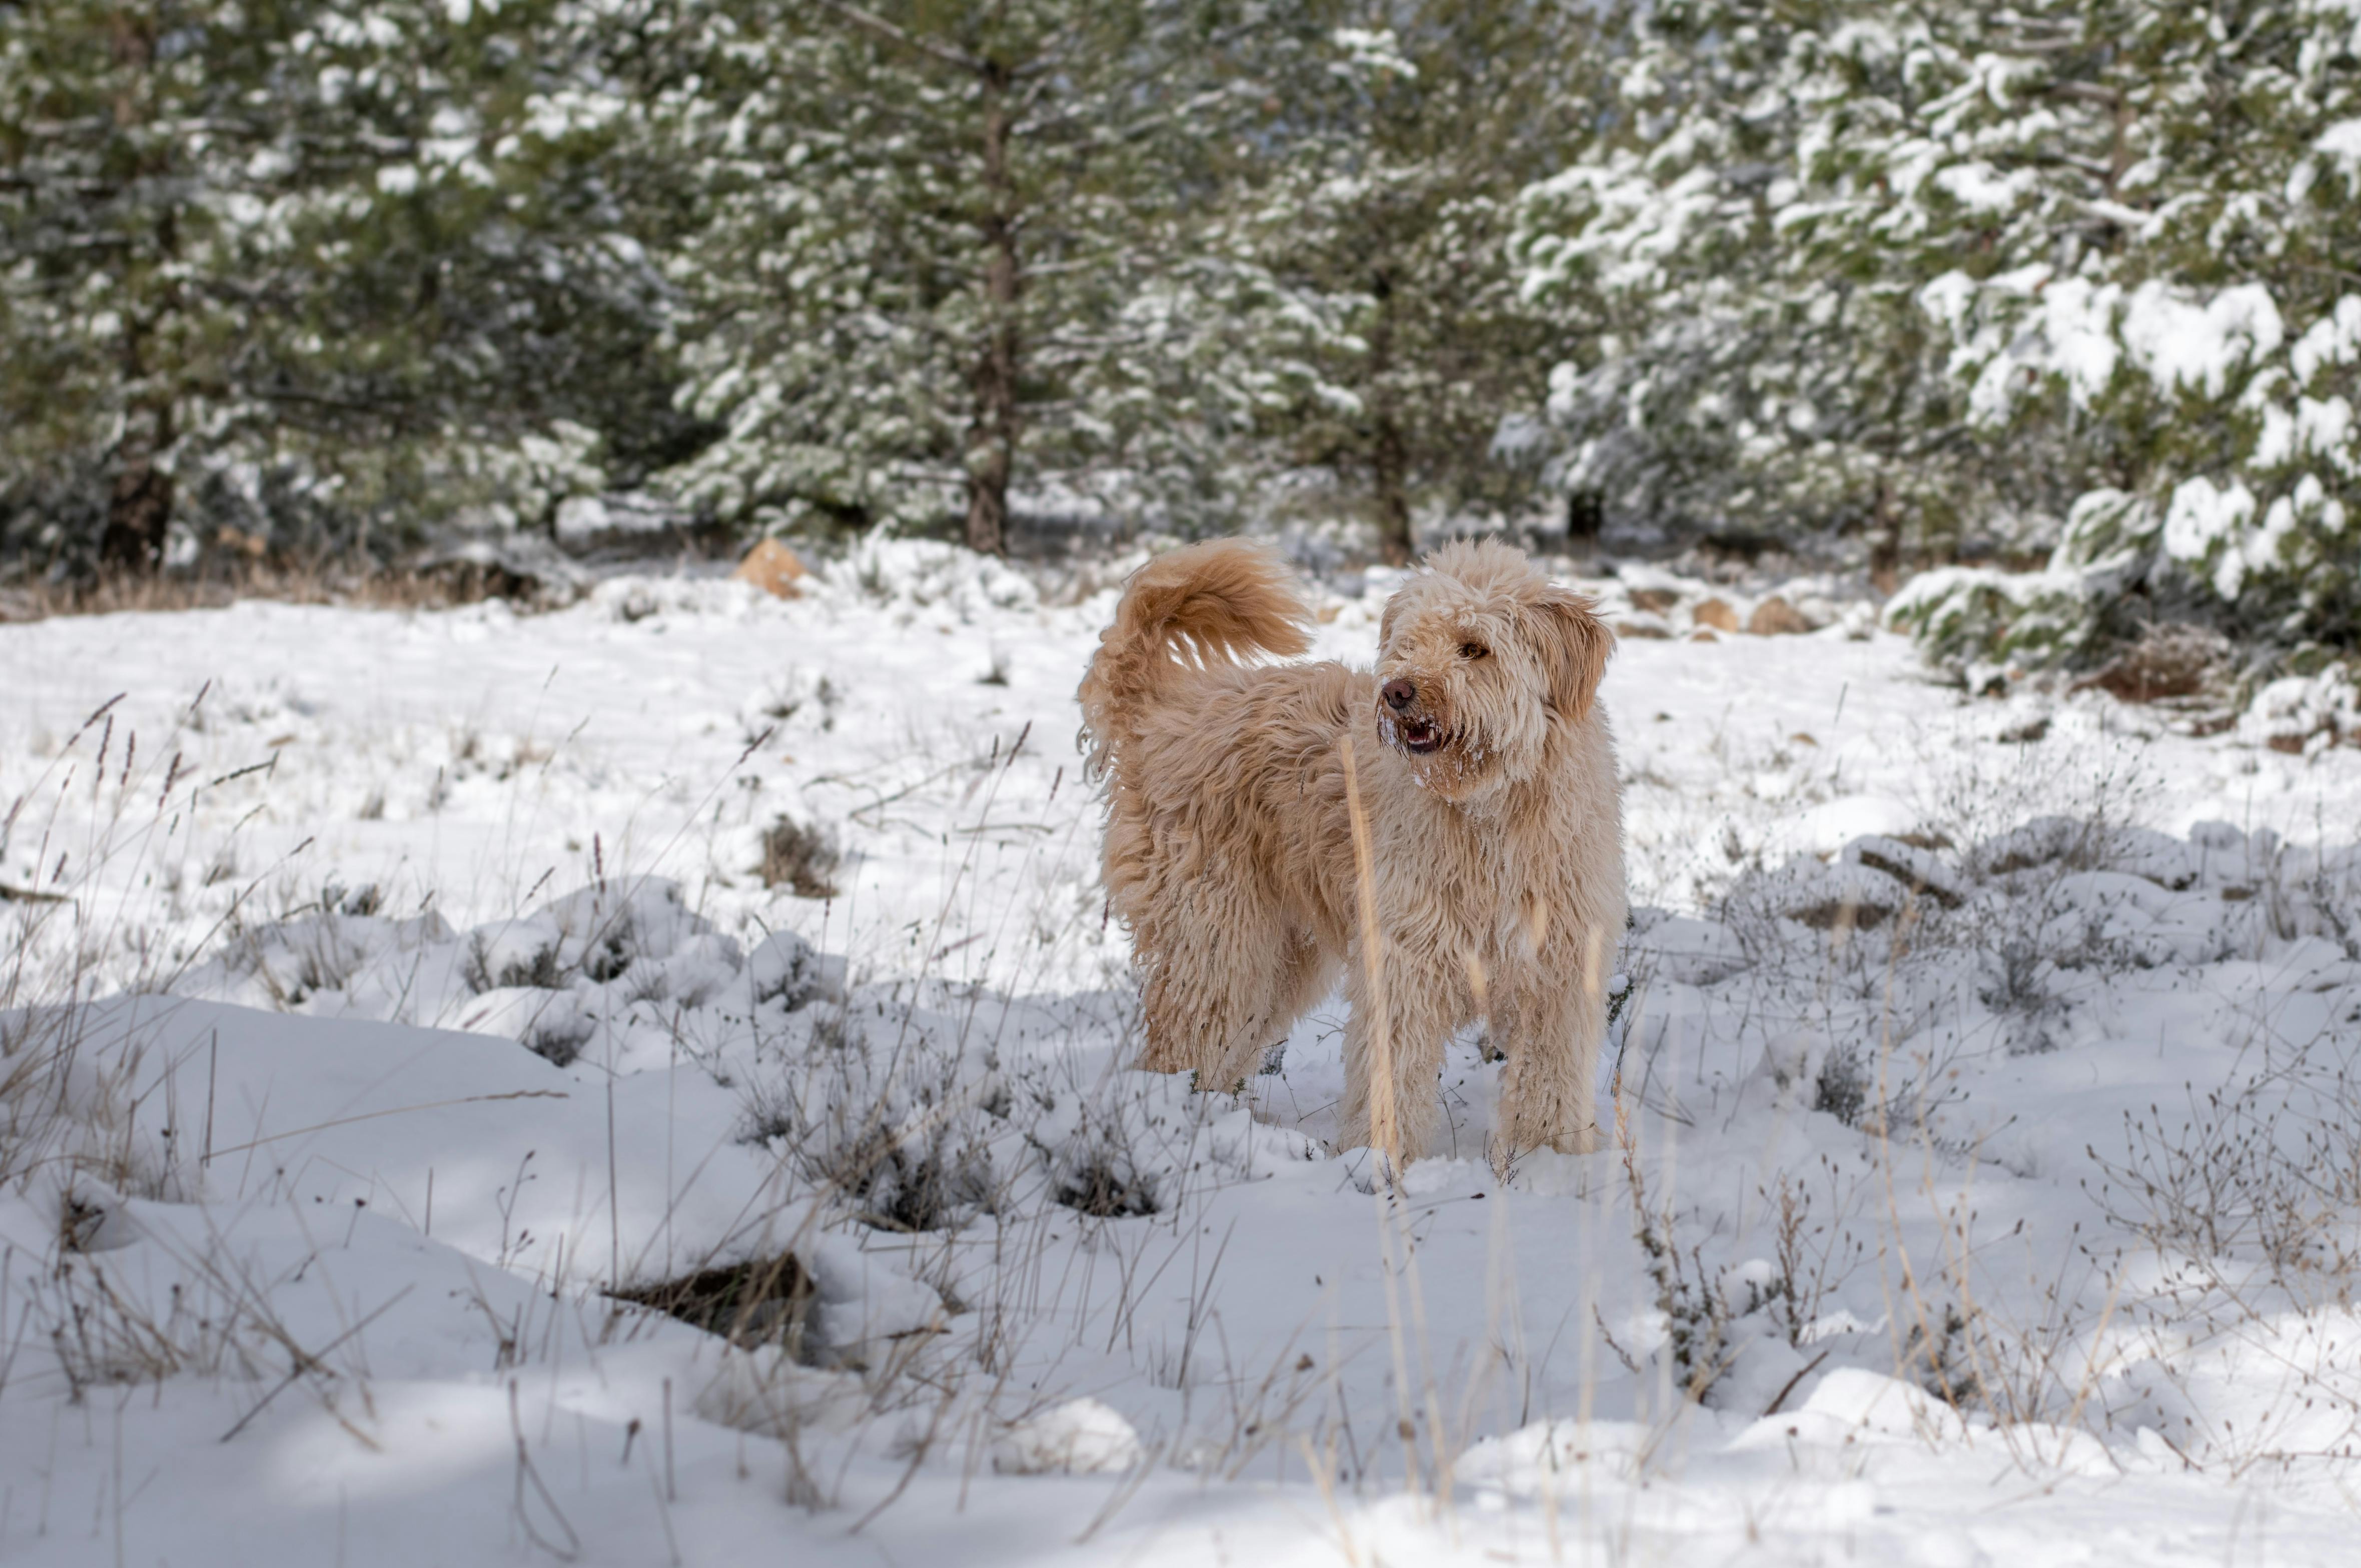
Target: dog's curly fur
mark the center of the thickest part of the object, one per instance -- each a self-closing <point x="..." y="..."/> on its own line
<point x="1487" y="776"/>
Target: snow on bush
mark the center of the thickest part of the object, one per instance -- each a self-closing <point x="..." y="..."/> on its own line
<point x="1983" y="283"/>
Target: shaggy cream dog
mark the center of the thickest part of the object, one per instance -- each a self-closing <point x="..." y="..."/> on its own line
<point x="1459" y="802"/>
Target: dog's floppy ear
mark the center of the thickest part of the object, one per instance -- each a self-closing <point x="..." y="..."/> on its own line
<point x="1574" y="644"/>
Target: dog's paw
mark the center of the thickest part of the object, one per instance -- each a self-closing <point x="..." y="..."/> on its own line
<point x="1519" y="1137"/>
<point x="1156" y="1057"/>
<point x="1580" y="1140"/>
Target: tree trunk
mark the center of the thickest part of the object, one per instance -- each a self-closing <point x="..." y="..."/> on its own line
<point x="1388" y="446"/>
<point x="1585" y="515"/>
<point x="139" y="506"/>
<point x="1885" y="543"/>
<point x="1389" y="464"/>
<point x="993" y="431"/>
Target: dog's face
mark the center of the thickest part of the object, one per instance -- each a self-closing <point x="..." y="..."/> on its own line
<point x="1479" y="654"/>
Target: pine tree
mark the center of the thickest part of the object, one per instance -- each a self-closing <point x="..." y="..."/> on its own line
<point x="1399" y="159"/>
<point x="99" y="106"/>
<point x="934" y="258"/>
<point x="1753" y="374"/>
<point x="2055" y="279"/>
<point x="2176" y="326"/>
<point x="278" y="238"/>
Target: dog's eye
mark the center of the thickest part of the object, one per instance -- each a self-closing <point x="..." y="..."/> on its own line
<point x="1473" y="649"/>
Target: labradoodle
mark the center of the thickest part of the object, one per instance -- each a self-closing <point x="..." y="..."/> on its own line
<point x="1444" y="830"/>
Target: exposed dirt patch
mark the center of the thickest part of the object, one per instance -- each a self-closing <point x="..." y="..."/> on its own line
<point x="765" y="1301"/>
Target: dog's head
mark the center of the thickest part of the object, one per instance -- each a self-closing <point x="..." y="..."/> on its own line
<point x="1479" y="654"/>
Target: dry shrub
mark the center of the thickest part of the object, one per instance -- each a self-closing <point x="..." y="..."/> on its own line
<point x="1107" y="1190"/>
<point x="802" y="856"/>
<point x="2268" y="1170"/>
<point x="2169" y="661"/>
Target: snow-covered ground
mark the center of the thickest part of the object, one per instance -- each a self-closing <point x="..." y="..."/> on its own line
<point x="386" y="991"/>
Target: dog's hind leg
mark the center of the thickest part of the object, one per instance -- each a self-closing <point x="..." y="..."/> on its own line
<point x="1309" y="976"/>
<point x="1221" y="975"/>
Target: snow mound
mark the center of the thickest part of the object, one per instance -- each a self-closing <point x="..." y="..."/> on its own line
<point x="1081" y="1437"/>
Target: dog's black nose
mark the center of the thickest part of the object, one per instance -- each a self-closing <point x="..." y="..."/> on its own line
<point x="1399" y="695"/>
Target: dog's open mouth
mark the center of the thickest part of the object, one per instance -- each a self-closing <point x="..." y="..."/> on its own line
<point x="1418" y="736"/>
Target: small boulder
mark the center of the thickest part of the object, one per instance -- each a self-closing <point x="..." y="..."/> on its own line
<point x="1717" y="614"/>
<point x="1775" y="617"/>
<point x="774" y="568"/>
<point x="1655" y="601"/>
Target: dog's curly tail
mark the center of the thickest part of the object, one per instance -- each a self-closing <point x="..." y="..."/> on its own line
<point x="1216" y="602"/>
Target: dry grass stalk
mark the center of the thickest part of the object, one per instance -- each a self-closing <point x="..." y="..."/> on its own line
<point x="1385" y="1114"/>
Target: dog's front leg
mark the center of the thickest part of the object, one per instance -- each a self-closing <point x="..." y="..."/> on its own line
<point x="1393" y="1053"/>
<point x="1551" y="1018"/>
